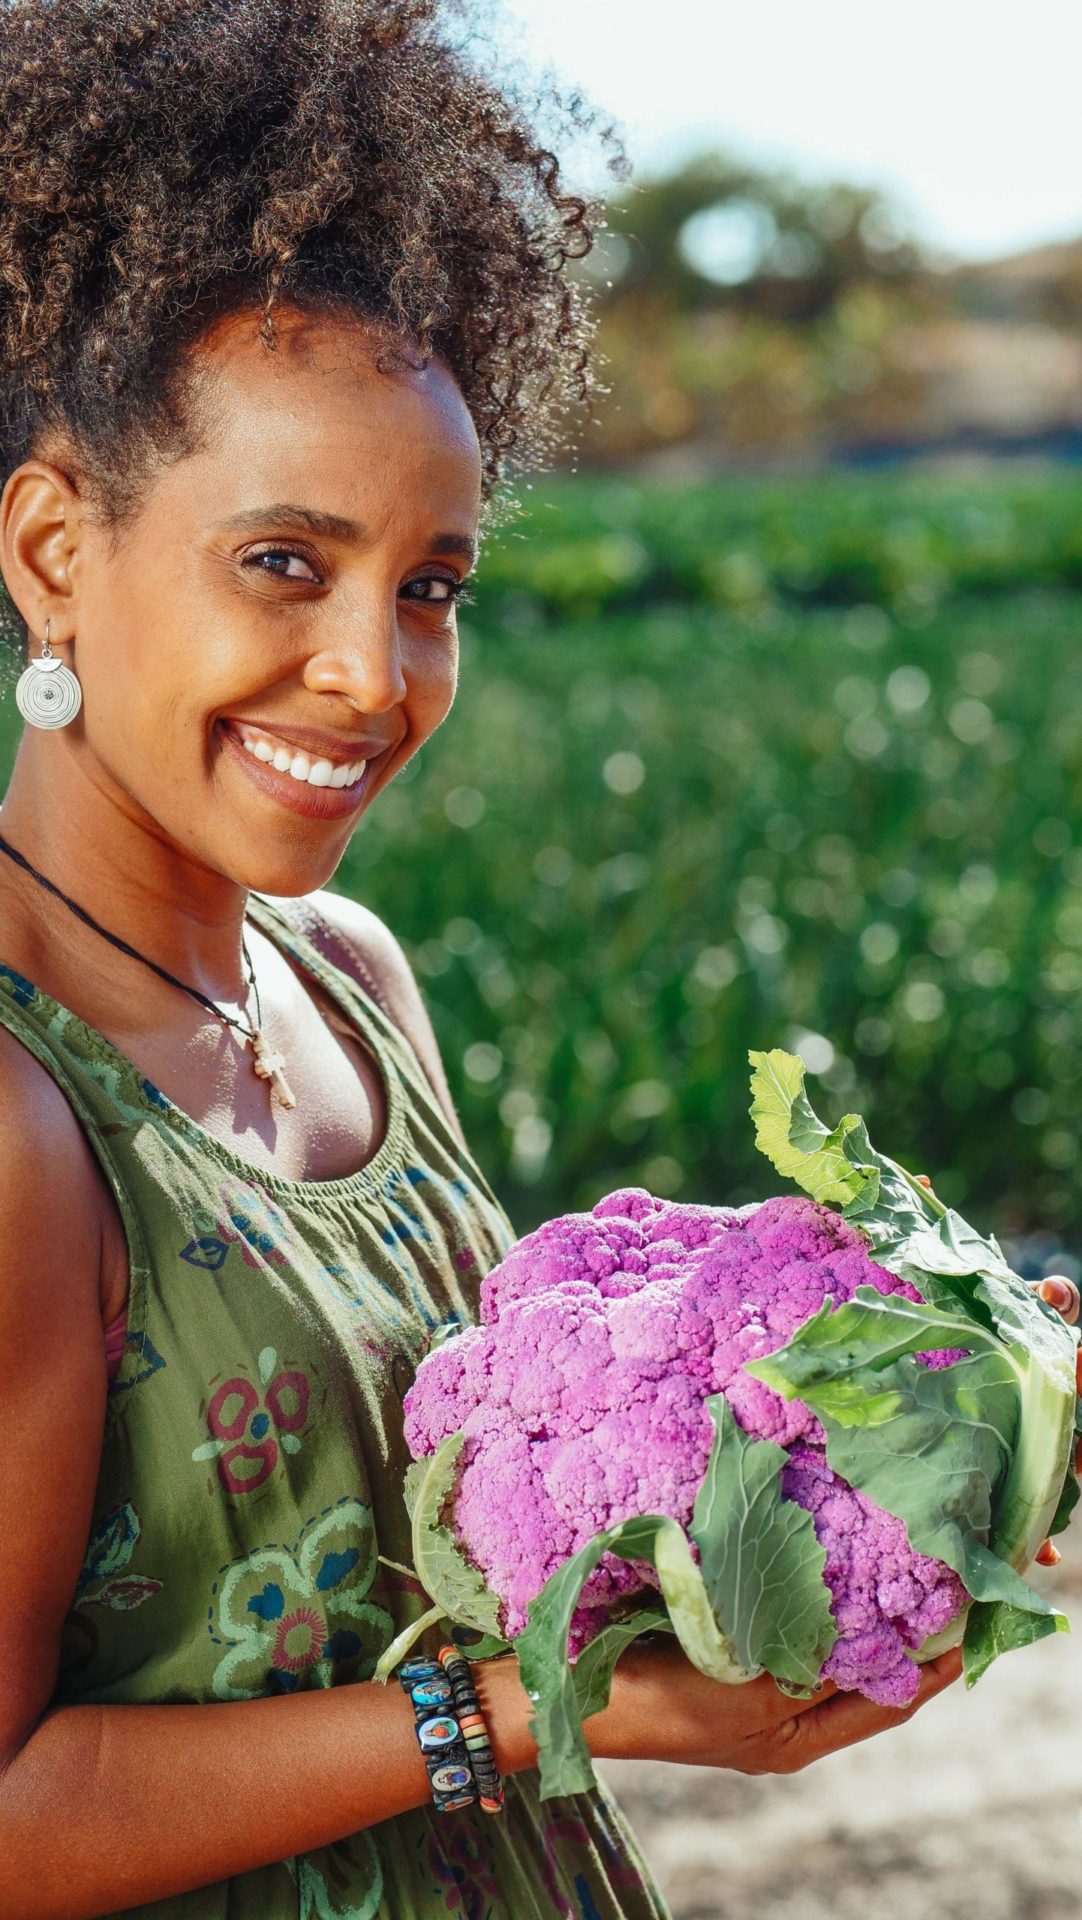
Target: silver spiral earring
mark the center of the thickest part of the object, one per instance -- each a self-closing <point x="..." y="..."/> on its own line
<point x="47" y="693"/>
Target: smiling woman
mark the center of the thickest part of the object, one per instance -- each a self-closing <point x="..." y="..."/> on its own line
<point x="282" y="286"/>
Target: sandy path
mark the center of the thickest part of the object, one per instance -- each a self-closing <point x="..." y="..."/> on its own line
<point x="973" y="1811"/>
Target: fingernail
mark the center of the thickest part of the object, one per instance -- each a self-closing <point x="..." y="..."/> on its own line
<point x="1056" y="1292"/>
<point x="923" y="1180"/>
<point x="1049" y="1555"/>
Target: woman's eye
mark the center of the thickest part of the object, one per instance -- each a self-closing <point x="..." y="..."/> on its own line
<point x="455" y="591"/>
<point x="276" y="554"/>
<point x="276" y="560"/>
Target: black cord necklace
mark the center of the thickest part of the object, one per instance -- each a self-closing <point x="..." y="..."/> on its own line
<point x="268" y="1064"/>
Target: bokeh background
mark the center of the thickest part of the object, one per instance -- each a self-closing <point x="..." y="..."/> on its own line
<point x="770" y="733"/>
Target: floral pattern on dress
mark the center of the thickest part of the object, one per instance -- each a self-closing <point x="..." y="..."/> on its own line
<point x="102" y="1580"/>
<point x="296" y="1617"/>
<point x="252" y="1425"/>
<point x="565" y="1836"/>
<point x="462" y="1870"/>
<point x="341" y="1882"/>
<point x="105" y="1582"/>
<point x="129" y="1093"/>
<point x="255" y="1222"/>
<point x="248" y="1218"/>
<point x="150" y="1362"/>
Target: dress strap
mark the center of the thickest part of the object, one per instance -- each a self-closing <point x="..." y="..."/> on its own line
<point x="95" y="1080"/>
<point x="304" y="918"/>
<point x="369" y="1020"/>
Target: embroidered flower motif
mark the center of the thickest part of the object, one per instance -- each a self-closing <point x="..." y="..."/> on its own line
<point x="250" y="1429"/>
<point x="102" y="1581"/>
<point x="463" y="1873"/>
<point x="341" y="1882"/>
<point x="255" y="1223"/>
<point x="206" y="1251"/>
<point x="150" y="1362"/>
<point x="297" y="1617"/>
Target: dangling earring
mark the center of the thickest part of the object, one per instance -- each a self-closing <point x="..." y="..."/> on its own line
<point x="48" y="693"/>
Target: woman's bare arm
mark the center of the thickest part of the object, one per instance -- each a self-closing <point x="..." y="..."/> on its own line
<point x="303" y="1769"/>
<point x="77" y="1781"/>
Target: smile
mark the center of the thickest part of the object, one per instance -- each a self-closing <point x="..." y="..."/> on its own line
<point x="318" y="783"/>
<point x="317" y="771"/>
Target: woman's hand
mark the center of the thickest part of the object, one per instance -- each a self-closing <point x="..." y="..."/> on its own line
<point x="663" y="1708"/>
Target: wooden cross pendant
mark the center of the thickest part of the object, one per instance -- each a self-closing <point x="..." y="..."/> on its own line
<point x="269" y="1066"/>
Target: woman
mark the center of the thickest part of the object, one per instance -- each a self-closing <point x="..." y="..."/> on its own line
<point x="280" y="285"/>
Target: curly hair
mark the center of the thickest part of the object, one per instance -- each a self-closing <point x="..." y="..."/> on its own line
<point x="163" y="162"/>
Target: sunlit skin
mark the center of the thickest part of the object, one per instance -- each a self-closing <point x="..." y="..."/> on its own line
<point x="159" y="824"/>
<point x="142" y="809"/>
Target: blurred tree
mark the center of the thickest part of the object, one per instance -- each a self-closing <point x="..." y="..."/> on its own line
<point x="720" y="233"/>
<point x="745" y="314"/>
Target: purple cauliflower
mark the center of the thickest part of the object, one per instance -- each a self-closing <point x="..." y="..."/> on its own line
<point x="582" y="1397"/>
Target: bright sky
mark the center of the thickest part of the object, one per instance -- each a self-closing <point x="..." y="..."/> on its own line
<point x="968" y="110"/>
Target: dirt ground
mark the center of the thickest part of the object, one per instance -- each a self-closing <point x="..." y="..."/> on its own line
<point x="972" y="1811"/>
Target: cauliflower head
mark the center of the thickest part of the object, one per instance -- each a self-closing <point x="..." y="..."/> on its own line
<point x="581" y="1396"/>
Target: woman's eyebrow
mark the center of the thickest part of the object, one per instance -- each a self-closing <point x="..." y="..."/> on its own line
<point x="333" y="526"/>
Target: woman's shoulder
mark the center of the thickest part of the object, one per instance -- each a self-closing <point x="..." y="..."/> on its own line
<point x="52" y="1198"/>
<point x="383" y="957"/>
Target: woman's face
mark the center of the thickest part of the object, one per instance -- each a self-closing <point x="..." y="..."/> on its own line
<point x="240" y="661"/>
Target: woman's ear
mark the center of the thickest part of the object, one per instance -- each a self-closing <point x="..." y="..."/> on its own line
<point x="41" y="520"/>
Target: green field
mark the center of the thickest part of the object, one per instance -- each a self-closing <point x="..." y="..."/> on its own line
<point x="748" y="765"/>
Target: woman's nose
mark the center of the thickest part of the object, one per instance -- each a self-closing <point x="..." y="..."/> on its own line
<point x="362" y="661"/>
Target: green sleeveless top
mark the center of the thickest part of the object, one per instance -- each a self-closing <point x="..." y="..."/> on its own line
<point x="253" y="1457"/>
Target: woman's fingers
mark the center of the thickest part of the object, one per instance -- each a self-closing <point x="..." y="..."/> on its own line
<point x="1059" y="1292"/>
<point x="848" y="1718"/>
<point x="1062" y="1294"/>
<point x="1048" y="1555"/>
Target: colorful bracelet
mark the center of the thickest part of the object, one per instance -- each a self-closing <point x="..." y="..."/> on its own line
<point x="474" y="1730"/>
<point x="443" y="1747"/>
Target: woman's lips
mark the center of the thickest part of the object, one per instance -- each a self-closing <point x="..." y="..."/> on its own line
<point x="297" y="796"/>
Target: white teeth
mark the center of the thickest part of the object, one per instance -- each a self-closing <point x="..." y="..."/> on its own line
<point x="316" y="773"/>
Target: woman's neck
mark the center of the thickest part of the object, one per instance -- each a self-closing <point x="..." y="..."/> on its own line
<point x="97" y="845"/>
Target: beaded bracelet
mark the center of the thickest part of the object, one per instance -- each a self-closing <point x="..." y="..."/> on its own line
<point x="474" y="1730"/>
<point x="443" y="1748"/>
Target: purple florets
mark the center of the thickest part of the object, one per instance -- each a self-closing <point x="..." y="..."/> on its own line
<point x="582" y="1395"/>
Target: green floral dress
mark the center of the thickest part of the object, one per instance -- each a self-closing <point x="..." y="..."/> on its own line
<point x="253" y="1457"/>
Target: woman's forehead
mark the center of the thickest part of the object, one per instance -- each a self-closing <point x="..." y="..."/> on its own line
<point x="318" y="405"/>
<point x="327" y="371"/>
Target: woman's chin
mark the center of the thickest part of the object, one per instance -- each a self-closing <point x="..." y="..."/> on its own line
<point x="285" y="878"/>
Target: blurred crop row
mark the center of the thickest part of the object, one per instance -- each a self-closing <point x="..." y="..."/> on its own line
<point x="748" y="765"/>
